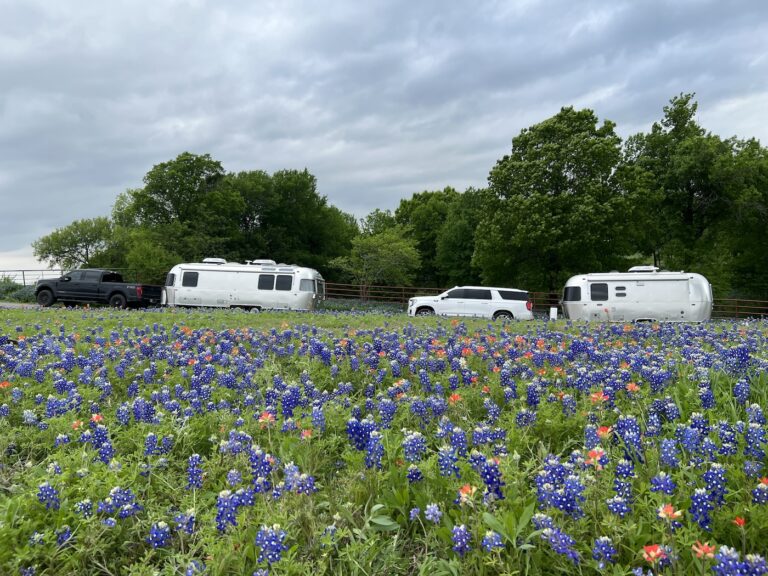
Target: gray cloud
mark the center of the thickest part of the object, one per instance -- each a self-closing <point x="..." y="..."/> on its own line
<point x="379" y="100"/>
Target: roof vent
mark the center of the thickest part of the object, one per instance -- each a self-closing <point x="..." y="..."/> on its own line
<point x="644" y="269"/>
<point x="261" y="262"/>
<point x="214" y="261"/>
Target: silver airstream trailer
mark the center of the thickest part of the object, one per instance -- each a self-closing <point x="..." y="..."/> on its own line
<point x="642" y="294"/>
<point x="255" y="285"/>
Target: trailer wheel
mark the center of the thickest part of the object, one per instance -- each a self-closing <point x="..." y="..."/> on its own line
<point x="117" y="300"/>
<point x="45" y="298"/>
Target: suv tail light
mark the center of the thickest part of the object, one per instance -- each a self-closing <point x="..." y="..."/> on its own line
<point x="139" y="291"/>
<point x="529" y="305"/>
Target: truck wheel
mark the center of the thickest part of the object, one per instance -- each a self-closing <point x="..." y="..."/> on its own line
<point x="45" y="298"/>
<point x="117" y="301"/>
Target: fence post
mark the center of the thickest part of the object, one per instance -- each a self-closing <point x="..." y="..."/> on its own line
<point x="23" y="279"/>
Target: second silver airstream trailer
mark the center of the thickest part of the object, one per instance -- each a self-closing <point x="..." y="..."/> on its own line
<point x="255" y="285"/>
<point x="643" y="293"/>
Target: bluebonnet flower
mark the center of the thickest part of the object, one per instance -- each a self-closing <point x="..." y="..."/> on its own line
<point x="446" y="461"/>
<point x="194" y="568"/>
<point x="561" y="543"/>
<point x="604" y="552"/>
<point x="741" y="391"/>
<point x="461" y="539"/>
<point x="492" y="540"/>
<point x="195" y="472"/>
<point x="414" y="446"/>
<point x="374" y="451"/>
<point x="185" y="521"/>
<point x="49" y="496"/>
<point x="760" y="494"/>
<point x="414" y="474"/>
<point x="37" y="539"/>
<point x="159" y="535"/>
<point x="226" y="510"/>
<point x="234" y="477"/>
<point x="491" y="475"/>
<point x="716" y="483"/>
<point x="414" y="513"/>
<point x="525" y="418"/>
<point x="458" y="440"/>
<point x="619" y="506"/>
<point x="432" y="513"/>
<point x="84" y="508"/>
<point x="663" y="482"/>
<point x="271" y="540"/>
<point x="700" y="509"/>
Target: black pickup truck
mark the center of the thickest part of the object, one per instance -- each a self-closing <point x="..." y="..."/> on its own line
<point x="96" y="286"/>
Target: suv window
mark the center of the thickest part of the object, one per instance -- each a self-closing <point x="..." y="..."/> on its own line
<point x="457" y="293"/>
<point x="513" y="295"/>
<point x="477" y="294"/>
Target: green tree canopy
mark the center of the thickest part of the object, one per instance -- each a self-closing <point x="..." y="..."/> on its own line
<point x="74" y="245"/>
<point x="385" y="258"/>
<point x="556" y="209"/>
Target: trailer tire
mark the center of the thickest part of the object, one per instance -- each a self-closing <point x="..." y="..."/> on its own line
<point x="117" y="300"/>
<point x="45" y="298"/>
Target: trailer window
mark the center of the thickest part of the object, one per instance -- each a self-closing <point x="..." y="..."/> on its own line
<point x="189" y="279"/>
<point x="170" y="280"/>
<point x="266" y="281"/>
<point x="572" y="294"/>
<point x="598" y="292"/>
<point x="283" y="282"/>
<point x="307" y="285"/>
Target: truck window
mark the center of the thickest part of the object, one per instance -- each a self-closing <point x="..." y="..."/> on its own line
<point x="75" y="275"/>
<point x="110" y="277"/>
<point x="572" y="294"/>
<point x="266" y="281"/>
<point x="170" y="280"/>
<point x="283" y="282"/>
<point x="598" y="292"/>
<point x="93" y="276"/>
<point x="189" y="279"/>
<point x="307" y="285"/>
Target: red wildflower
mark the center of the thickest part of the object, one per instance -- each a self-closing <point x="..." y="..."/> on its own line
<point x="653" y="553"/>
<point x="703" y="550"/>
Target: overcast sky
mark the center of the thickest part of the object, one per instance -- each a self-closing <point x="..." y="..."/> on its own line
<point x="377" y="99"/>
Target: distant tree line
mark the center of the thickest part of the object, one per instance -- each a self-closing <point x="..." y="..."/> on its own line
<point x="570" y="197"/>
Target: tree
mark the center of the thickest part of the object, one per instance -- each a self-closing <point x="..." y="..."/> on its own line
<point x="556" y="209"/>
<point x="385" y="258"/>
<point x="455" y="240"/>
<point x="702" y="196"/>
<point x="424" y="215"/>
<point x="174" y="190"/>
<point x="75" y="245"/>
<point x="377" y="221"/>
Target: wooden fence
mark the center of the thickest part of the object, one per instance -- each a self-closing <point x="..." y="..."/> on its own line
<point x="542" y="301"/>
<point x="399" y="295"/>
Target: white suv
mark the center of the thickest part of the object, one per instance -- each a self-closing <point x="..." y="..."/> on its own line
<point x="476" y="301"/>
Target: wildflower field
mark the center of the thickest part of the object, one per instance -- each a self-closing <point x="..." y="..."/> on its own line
<point x="177" y="442"/>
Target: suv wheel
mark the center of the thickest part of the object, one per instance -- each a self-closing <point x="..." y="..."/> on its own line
<point x="425" y="311"/>
<point x="503" y="315"/>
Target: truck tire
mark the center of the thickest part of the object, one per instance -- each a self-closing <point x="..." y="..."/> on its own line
<point x="117" y="300"/>
<point x="45" y="298"/>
